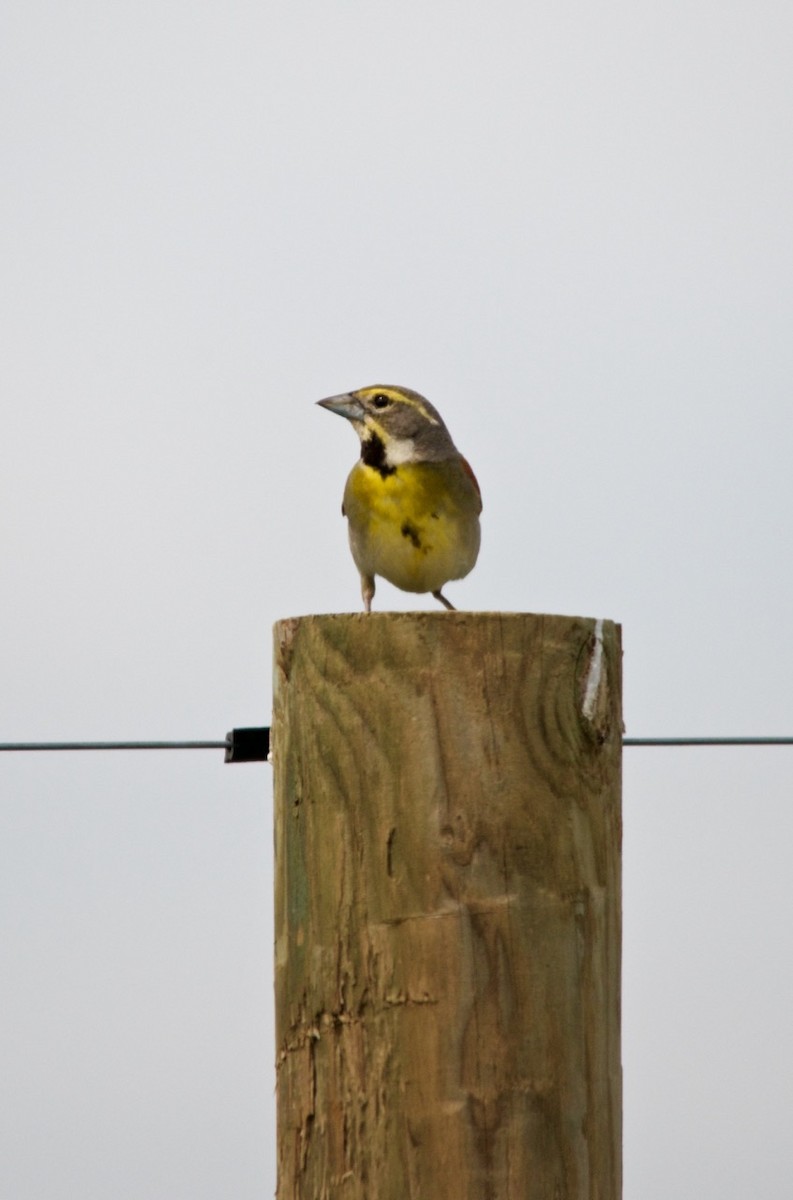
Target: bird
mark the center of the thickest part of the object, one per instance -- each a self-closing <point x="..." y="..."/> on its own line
<point x="411" y="501"/>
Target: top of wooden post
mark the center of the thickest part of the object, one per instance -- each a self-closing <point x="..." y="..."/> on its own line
<point x="460" y="643"/>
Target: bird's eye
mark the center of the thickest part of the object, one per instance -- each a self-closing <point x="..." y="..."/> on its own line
<point x="381" y="400"/>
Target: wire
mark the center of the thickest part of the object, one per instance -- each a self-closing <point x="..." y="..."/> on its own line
<point x="708" y="742"/>
<point x="263" y="732"/>
<point x="246" y="744"/>
<point x="114" y="745"/>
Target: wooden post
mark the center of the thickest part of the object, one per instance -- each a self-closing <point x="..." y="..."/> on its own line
<point x="447" y="815"/>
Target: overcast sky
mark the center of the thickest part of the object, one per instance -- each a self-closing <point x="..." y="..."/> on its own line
<point x="568" y="225"/>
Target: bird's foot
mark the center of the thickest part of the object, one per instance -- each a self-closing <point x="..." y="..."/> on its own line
<point x="446" y="603"/>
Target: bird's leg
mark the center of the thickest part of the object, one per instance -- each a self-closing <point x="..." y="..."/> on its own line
<point x="446" y="603"/>
<point x="367" y="591"/>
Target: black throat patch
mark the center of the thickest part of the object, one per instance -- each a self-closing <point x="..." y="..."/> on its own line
<point x="373" y="454"/>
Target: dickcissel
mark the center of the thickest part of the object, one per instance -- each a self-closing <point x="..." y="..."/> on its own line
<point x="411" y="500"/>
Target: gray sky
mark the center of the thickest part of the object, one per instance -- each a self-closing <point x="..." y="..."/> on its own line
<point x="570" y="227"/>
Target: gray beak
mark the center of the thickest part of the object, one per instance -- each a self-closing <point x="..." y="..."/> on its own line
<point x="346" y="406"/>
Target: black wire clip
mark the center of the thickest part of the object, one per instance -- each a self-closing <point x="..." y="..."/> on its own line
<point x="248" y="745"/>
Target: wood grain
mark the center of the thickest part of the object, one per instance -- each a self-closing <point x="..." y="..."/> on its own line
<point x="448" y="829"/>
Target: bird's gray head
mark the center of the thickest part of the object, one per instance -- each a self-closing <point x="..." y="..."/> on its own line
<point x="409" y="428"/>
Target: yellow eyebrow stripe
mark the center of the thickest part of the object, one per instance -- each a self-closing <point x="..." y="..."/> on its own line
<point x="403" y="395"/>
<point x="417" y="404"/>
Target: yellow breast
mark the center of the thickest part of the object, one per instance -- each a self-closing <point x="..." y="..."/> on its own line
<point x="416" y="526"/>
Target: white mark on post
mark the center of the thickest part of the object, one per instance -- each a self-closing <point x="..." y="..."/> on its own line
<point x="594" y="674"/>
